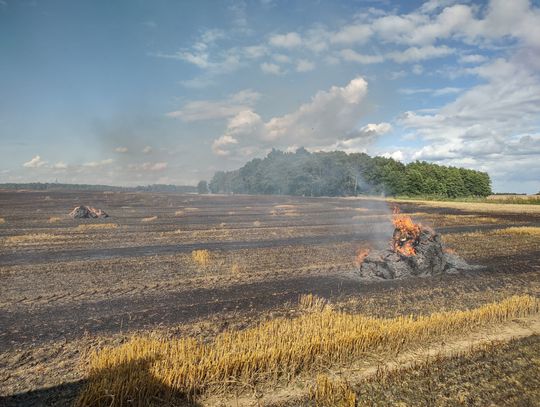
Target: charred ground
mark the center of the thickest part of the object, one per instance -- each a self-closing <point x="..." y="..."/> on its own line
<point x="71" y="284"/>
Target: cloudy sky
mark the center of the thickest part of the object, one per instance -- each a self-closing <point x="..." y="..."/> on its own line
<point x="138" y="92"/>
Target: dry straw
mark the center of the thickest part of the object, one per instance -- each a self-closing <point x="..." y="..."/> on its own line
<point x="97" y="226"/>
<point x="201" y="257"/>
<point x="333" y="392"/>
<point x="146" y="368"/>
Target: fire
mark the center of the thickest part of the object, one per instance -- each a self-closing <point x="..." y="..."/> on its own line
<point x="361" y="254"/>
<point x="406" y="234"/>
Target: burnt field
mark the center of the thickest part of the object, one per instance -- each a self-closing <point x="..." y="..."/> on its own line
<point x="198" y="265"/>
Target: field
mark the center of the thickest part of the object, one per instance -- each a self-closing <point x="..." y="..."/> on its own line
<point x="92" y="307"/>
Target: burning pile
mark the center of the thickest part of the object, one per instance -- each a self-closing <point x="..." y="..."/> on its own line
<point x="415" y="250"/>
<point x="87" y="212"/>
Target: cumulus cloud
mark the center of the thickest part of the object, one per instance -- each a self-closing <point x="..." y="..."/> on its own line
<point x="289" y="40"/>
<point x="147" y="150"/>
<point x="216" y="109"/>
<point x="447" y="90"/>
<point x="353" y="56"/>
<point x="270" y="68"/>
<point x="490" y="124"/>
<point x="60" y="165"/>
<point x="35" y="162"/>
<point x="121" y="150"/>
<point x="97" y="164"/>
<point x="352" y="34"/>
<point x="159" y="166"/>
<point x="472" y="59"/>
<point x="396" y="155"/>
<point x="413" y="54"/>
<point x="330" y="116"/>
<point x="303" y="65"/>
<point x="219" y="145"/>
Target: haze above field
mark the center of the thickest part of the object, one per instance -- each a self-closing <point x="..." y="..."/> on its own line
<point x="132" y="93"/>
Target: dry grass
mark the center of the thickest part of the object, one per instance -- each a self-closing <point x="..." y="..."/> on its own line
<point x="494" y="374"/>
<point x="333" y="392"/>
<point x="54" y="219"/>
<point x="97" y="226"/>
<point x="523" y="230"/>
<point x="179" y="213"/>
<point x="31" y="238"/>
<point x="476" y="206"/>
<point x="201" y="257"/>
<point x="2" y="221"/>
<point x="150" y="219"/>
<point x="146" y="368"/>
<point x="192" y="209"/>
<point x="310" y="302"/>
<point x="237" y="268"/>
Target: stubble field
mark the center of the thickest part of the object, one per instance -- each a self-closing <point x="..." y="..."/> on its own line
<point x="170" y="267"/>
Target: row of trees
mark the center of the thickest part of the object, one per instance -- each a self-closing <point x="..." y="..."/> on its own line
<point x="340" y="174"/>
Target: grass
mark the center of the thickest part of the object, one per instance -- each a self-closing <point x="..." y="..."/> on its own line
<point x="496" y="374"/>
<point x="475" y="206"/>
<point x="149" y="219"/>
<point x="2" y="221"/>
<point x="522" y="230"/>
<point x="31" y="238"/>
<point x="97" y="226"/>
<point x="495" y="199"/>
<point x="333" y="392"/>
<point x="147" y="368"/>
<point x="201" y="257"/>
<point x="54" y="219"/>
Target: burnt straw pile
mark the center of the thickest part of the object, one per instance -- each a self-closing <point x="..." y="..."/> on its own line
<point x="414" y="250"/>
<point x="87" y="212"/>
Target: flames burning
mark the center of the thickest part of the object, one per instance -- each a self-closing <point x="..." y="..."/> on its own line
<point x="361" y="254"/>
<point x="404" y="240"/>
<point x="406" y="234"/>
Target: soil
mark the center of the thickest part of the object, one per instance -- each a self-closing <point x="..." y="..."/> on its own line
<point x="66" y="288"/>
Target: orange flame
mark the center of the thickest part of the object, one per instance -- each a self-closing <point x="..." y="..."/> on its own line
<point x="406" y="234"/>
<point x="361" y="255"/>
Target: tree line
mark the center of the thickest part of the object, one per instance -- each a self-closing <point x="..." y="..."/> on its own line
<point x="340" y="174"/>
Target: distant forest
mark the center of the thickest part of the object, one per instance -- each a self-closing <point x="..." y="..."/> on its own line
<point x="53" y="186"/>
<point x="340" y="174"/>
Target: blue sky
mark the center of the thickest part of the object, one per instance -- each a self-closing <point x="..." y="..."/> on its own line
<point x="138" y="92"/>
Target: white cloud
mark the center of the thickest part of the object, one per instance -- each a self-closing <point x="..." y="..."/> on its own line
<point x="472" y="59"/>
<point x="359" y="140"/>
<point x="281" y="58"/>
<point x="376" y="129"/>
<point x="121" y="150"/>
<point x="35" y="162"/>
<point x="413" y="54"/>
<point x="96" y="164"/>
<point x="352" y="34"/>
<point x="448" y="90"/>
<point x="396" y="155"/>
<point x="289" y="40"/>
<point x="155" y="167"/>
<point x="216" y="109"/>
<point x="147" y="150"/>
<point x="489" y="126"/>
<point x="417" y="69"/>
<point x="219" y="145"/>
<point x="303" y="65"/>
<point x="60" y="165"/>
<point x="330" y="116"/>
<point x="272" y="69"/>
<point x="353" y="56"/>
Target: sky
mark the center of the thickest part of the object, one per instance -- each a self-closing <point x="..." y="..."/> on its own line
<point x="153" y="91"/>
